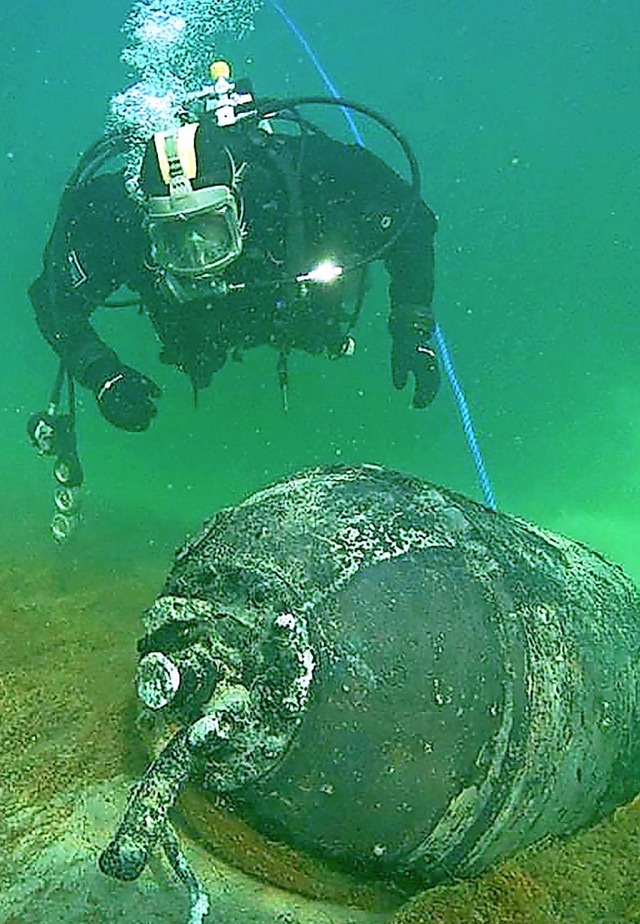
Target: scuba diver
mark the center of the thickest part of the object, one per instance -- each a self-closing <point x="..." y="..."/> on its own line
<point x="235" y="235"/>
<point x="228" y="233"/>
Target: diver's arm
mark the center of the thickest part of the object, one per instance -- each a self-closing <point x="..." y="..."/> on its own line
<point x="411" y="321"/>
<point x="63" y="319"/>
<point x="84" y="261"/>
<point x="409" y="261"/>
<point x="96" y="246"/>
<point x="410" y="264"/>
<point x="385" y="201"/>
<point x="124" y="395"/>
<point x="375" y="200"/>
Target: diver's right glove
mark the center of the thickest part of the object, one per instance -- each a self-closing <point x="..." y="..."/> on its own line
<point x="411" y="327"/>
<point x="124" y="395"/>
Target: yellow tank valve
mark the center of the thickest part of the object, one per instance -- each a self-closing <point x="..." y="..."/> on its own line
<point x="220" y="69"/>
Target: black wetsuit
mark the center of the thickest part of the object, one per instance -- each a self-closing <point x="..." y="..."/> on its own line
<point x="350" y="203"/>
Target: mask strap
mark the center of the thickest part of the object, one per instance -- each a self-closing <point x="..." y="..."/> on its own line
<point x="176" y="154"/>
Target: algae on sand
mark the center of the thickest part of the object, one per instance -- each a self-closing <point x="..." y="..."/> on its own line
<point x="69" y="749"/>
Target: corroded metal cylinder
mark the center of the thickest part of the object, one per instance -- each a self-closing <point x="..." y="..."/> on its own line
<point x="388" y="675"/>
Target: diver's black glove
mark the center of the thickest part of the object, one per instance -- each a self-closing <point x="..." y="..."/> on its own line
<point x="411" y="327"/>
<point x="124" y="395"/>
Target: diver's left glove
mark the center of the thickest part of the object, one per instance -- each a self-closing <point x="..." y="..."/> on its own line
<point x="411" y="328"/>
<point x="124" y="395"/>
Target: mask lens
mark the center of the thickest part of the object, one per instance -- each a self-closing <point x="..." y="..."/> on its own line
<point x="196" y="242"/>
<point x="206" y="240"/>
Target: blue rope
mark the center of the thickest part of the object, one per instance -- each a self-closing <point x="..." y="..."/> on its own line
<point x="331" y="87"/>
<point x="459" y="395"/>
<point x="465" y="416"/>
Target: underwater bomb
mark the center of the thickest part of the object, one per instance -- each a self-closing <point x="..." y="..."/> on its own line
<point x="389" y="676"/>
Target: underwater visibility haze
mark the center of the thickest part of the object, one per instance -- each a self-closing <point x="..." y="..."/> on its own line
<point x="521" y="116"/>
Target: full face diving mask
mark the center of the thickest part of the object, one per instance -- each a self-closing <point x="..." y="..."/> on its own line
<point x="194" y="233"/>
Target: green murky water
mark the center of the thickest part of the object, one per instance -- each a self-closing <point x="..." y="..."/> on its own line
<point x="523" y="117"/>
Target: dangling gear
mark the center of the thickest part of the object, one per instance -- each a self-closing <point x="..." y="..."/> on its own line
<point x="53" y="433"/>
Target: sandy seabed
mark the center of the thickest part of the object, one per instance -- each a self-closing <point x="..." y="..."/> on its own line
<point x="70" y="752"/>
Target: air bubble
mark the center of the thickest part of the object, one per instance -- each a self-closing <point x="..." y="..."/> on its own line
<point x="170" y="46"/>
